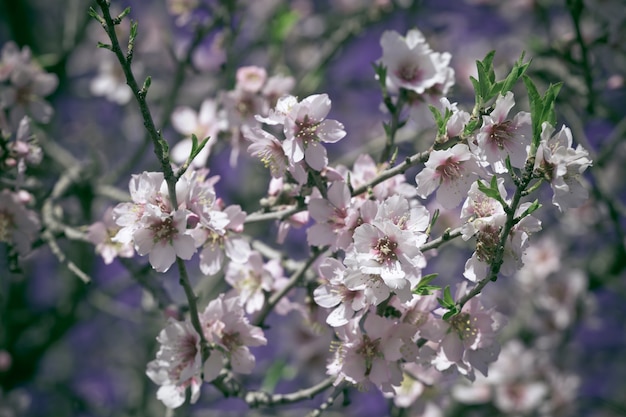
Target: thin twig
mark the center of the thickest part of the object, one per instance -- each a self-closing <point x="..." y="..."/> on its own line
<point x="293" y="281"/>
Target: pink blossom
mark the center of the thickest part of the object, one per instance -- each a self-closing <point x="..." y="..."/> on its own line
<point x="335" y="217"/>
<point x="220" y="243"/>
<point x="251" y="280"/>
<point x="383" y="249"/>
<point x="111" y="82"/>
<point x="178" y="364"/>
<point x="306" y="127"/>
<point x="19" y="226"/>
<point x="451" y="172"/>
<point x="410" y="62"/>
<point x="562" y="166"/>
<point x="225" y="324"/>
<point x="369" y="356"/>
<point x="269" y="149"/>
<point x="470" y="342"/>
<point x="487" y="231"/>
<point x="333" y="293"/>
<point x="500" y="137"/>
<point x="163" y="238"/>
<point x="101" y="234"/>
<point x="27" y="86"/>
<point x="251" y="78"/>
<point x="206" y="123"/>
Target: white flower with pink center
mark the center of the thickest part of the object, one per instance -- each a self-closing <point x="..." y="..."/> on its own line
<point x="457" y="121"/>
<point x="335" y="218"/>
<point x="451" y="172"/>
<point x="268" y="148"/>
<point x="226" y="242"/>
<point x="371" y="355"/>
<point x="145" y="188"/>
<point x="178" y="364"/>
<point x="306" y="128"/>
<point x="383" y="250"/>
<point x="407" y="216"/>
<point x="470" y="342"/>
<point x="163" y="237"/>
<point x="225" y="324"/>
<point x="479" y="205"/>
<point x="251" y="280"/>
<point x="562" y="166"/>
<point x="26" y="87"/>
<point x="333" y="293"/>
<point x="101" y="233"/>
<point x="500" y="137"/>
<point x="251" y="78"/>
<point x="487" y="231"/>
<point x="207" y="122"/>
<point x="410" y="62"/>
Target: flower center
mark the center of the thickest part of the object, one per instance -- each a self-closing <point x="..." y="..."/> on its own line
<point x="188" y="348"/>
<point x="231" y="341"/>
<point x="409" y="73"/>
<point x="487" y="243"/>
<point x="450" y="170"/>
<point x="386" y="250"/>
<point x="164" y="230"/>
<point x="369" y="349"/>
<point x="501" y="133"/>
<point x="307" y="130"/>
<point x="462" y="324"/>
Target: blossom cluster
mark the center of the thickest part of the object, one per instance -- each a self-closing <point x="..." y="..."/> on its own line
<point x="23" y="84"/>
<point x="154" y="225"/>
<point x="370" y="230"/>
<point x="388" y="320"/>
<point x="179" y="363"/>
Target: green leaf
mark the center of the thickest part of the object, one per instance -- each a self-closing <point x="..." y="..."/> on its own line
<point x="426" y="279"/>
<point x="489" y="191"/>
<point x="471" y="126"/>
<point x="426" y="290"/>
<point x="516" y="72"/>
<point x="118" y="19"/>
<point x="92" y="12"/>
<point x="124" y="13"/>
<point x="548" y="114"/>
<point x="146" y="84"/>
<point x="496" y="89"/>
<point x="536" y="109"/>
<point x="534" y="206"/>
<point x="194" y="143"/>
<point x="447" y="296"/>
<point x="423" y="288"/>
<point x="476" y="86"/>
<point x="133" y="31"/>
<point x="381" y="75"/>
<point x="105" y="46"/>
<point x="451" y="312"/>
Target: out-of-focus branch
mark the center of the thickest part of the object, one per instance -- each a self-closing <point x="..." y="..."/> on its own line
<point x="295" y="279"/>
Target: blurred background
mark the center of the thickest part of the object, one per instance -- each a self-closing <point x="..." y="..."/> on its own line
<point x="73" y="349"/>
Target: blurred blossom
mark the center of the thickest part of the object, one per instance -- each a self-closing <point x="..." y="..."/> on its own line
<point x="111" y="82"/>
<point x="18" y="225"/>
<point x="26" y="87"/>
